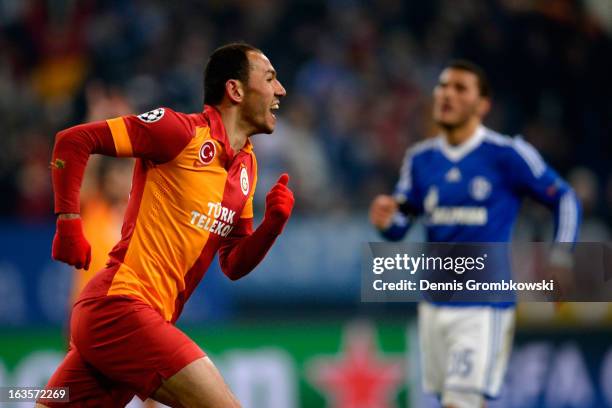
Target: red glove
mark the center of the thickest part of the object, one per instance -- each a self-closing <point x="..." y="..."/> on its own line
<point x="279" y="203"/>
<point x="70" y="245"/>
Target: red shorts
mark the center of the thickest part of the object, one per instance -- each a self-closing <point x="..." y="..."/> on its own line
<point x="119" y="347"/>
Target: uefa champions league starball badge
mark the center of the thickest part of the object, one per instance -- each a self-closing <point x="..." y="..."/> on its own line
<point x="152" y="116"/>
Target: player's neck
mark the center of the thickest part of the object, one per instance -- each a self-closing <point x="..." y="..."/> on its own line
<point x="237" y="132"/>
<point x="459" y="135"/>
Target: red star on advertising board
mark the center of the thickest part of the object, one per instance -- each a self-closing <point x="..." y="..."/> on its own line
<point x="358" y="376"/>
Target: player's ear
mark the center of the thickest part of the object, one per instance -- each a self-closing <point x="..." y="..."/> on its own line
<point x="234" y="90"/>
<point x="484" y="106"/>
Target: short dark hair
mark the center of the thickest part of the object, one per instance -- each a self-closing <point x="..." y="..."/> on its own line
<point x="483" y="82"/>
<point x="229" y="61"/>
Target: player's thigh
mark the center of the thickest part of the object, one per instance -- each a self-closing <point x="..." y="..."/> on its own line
<point x="198" y="384"/>
<point x="432" y="349"/>
<point x="479" y="342"/>
<point x="503" y="334"/>
<point x="163" y="396"/>
<point x="85" y="385"/>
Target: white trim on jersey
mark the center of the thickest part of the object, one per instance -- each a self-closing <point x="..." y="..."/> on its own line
<point x="527" y="152"/>
<point x="497" y="138"/>
<point x="568" y="218"/>
<point x="456" y="153"/>
<point x="405" y="181"/>
<point x="530" y="155"/>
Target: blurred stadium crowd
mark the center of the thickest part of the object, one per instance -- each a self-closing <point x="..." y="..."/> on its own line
<point x="359" y="76"/>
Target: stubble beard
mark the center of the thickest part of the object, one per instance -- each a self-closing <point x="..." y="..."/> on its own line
<point x="459" y="123"/>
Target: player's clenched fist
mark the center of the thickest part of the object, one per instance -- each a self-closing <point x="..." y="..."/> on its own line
<point x="279" y="203"/>
<point x="382" y="210"/>
<point x="70" y="245"/>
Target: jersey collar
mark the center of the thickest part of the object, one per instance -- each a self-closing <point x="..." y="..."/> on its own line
<point x="456" y="153"/>
<point x="218" y="132"/>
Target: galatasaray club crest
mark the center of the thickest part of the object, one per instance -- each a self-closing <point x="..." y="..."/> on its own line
<point x="244" y="181"/>
<point x="359" y="376"/>
<point x="207" y="152"/>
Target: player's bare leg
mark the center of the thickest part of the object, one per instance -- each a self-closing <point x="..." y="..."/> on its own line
<point x="169" y="401"/>
<point x="164" y="397"/>
<point x="40" y="406"/>
<point x="199" y="384"/>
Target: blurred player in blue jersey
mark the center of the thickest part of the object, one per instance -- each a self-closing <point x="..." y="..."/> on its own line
<point x="468" y="184"/>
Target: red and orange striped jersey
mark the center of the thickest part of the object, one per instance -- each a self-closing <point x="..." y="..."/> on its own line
<point x="190" y="193"/>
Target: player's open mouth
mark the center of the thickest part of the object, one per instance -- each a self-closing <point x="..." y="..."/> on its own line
<point x="274" y="107"/>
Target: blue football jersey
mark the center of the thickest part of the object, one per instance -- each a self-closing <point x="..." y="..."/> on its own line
<point x="472" y="192"/>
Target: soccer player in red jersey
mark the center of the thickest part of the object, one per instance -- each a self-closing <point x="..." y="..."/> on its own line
<point x="191" y="197"/>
